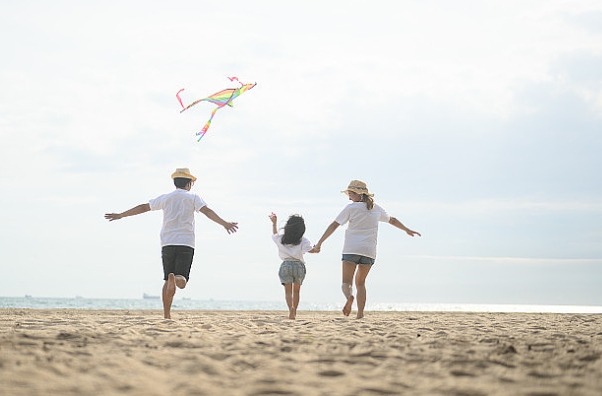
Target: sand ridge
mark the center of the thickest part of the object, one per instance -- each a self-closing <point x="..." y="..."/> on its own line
<point x="111" y="352"/>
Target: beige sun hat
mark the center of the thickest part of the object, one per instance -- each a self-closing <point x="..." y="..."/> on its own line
<point x="183" y="173"/>
<point x="358" y="187"/>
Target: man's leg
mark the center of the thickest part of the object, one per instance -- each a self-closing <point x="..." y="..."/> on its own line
<point x="169" y="290"/>
<point x="176" y="260"/>
<point x="348" y="271"/>
<point x="180" y="281"/>
<point x="169" y="287"/>
<point x="183" y="264"/>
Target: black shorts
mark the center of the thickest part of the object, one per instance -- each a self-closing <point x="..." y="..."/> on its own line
<point x="177" y="260"/>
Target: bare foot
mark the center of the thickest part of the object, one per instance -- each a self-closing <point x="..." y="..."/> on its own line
<point x="347" y="307"/>
<point x="292" y="313"/>
<point x="360" y="315"/>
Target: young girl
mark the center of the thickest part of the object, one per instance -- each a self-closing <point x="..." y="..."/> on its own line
<point x="359" y="251"/>
<point x="291" y="247"/>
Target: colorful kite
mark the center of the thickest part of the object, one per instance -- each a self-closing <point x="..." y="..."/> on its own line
<point x="221" y="99"/>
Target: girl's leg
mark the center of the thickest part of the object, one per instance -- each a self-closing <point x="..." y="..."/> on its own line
<point x="348" y="271"/>
<point x="293" y="310"/>
<point x="288" y="295"/>
<point x="296" y="297"/>
<point x="360" y="285"/>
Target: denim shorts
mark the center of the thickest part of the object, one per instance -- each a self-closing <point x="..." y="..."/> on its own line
<point x="177" y="260"/>
<point x="291" y="272"/>
<point x="358" y="259"/>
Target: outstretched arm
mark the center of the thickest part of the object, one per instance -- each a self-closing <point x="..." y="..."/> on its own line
<point x="229" y="226"/>
<point x="142" y="208"/>
<point x="274" y="219"/>
<point x="394" y="222"/>
<point x="331" y="228"/>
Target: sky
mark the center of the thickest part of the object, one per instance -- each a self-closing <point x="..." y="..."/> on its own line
<point x="476" y="123"/>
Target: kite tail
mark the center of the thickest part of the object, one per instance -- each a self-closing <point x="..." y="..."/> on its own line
<point x="235" y="78"/>
<point x="180" y="99"/>
<point x="207" y="125"/>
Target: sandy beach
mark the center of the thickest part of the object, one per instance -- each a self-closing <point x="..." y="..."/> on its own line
<point x="119" y="352"/>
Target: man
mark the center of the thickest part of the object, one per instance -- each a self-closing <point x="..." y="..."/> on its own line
<point x="177" y="232"/>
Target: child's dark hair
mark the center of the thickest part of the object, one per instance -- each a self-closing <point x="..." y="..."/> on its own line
<point x="293" y="230"/>
<point x="181" y="182"/>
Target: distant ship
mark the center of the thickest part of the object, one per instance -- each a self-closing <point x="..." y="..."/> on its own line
<point x="148" y="296"/>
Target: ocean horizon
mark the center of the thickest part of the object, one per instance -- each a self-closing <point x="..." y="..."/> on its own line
<point x="154" y="302"/>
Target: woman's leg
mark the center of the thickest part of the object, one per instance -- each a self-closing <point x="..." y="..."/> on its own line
<point x="348" y="271"/>
<point x="360" y="286"/>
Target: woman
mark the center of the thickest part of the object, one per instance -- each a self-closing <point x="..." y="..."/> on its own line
<point x="359" y="250"/>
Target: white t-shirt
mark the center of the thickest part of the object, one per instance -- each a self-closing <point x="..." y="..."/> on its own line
<point x="178" y="208"/>
<point x="362" y="232"/>
<point x="294" y="252"/>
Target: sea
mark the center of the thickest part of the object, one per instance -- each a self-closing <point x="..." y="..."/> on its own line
<point x="154" y="302"/>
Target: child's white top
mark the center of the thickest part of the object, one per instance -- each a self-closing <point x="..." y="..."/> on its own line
<point x="362" y="232"/>
<point x="292" y="252"/>
<point x="178" y="207"/>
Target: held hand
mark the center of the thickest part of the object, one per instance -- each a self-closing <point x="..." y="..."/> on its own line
<point x="112" y="216"/>
<point x="315" y="249"/>
<point x="231" y="227"/>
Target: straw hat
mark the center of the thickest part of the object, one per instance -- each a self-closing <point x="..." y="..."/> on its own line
<point x="358" y="187"/>
<point x="183" y="173"/>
